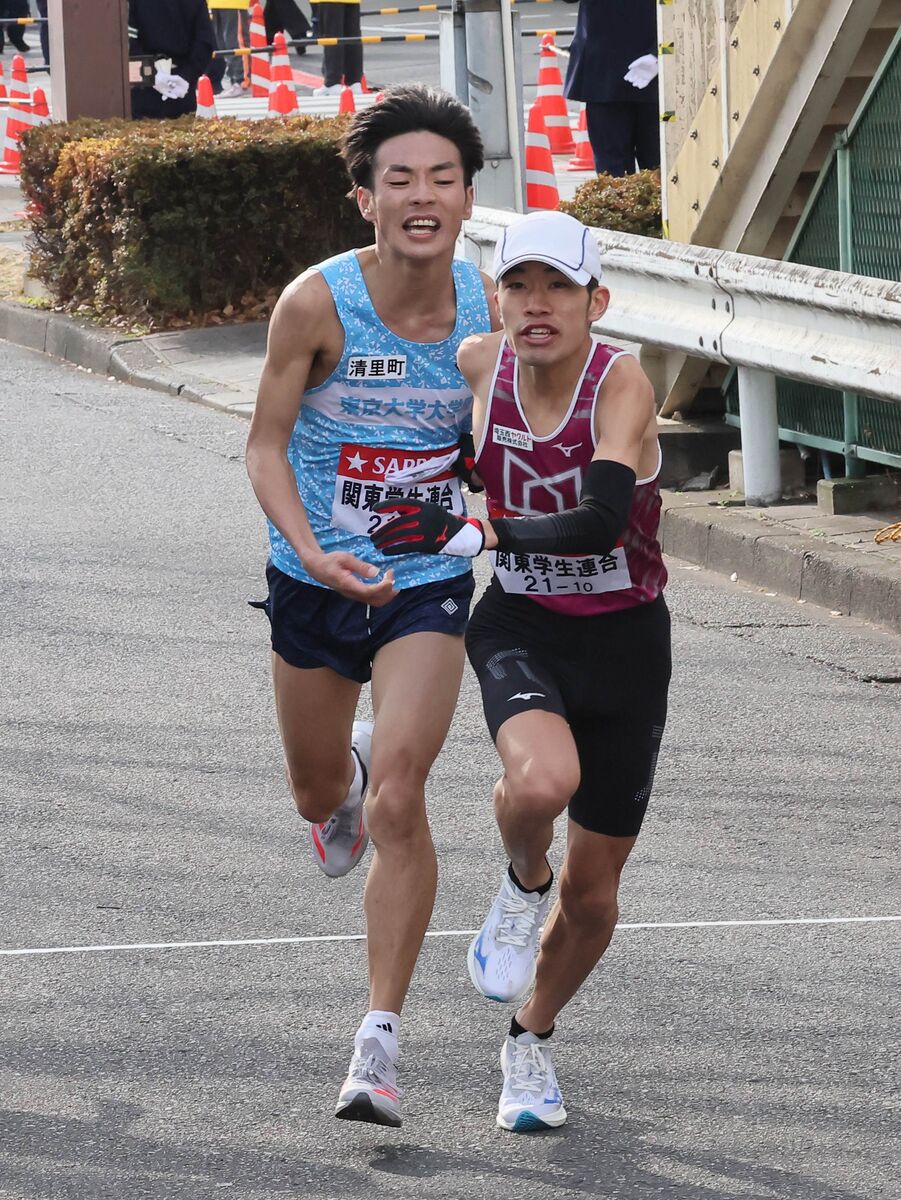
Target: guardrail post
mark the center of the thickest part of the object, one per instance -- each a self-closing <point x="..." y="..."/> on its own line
<point x="759" y="437"/>
<point x="854" y="467"/>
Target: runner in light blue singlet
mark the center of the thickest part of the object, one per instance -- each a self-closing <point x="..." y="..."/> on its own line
<point x="388" y="406"/>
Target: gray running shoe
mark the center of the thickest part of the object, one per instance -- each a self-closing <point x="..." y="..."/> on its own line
<point x="339" y="843"/>
<point x="369" y="1092"/>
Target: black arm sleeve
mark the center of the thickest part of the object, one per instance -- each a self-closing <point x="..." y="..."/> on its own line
<point x="592" y="528"/>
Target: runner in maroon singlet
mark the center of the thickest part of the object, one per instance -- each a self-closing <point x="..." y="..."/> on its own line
<point x="570" y="642"/>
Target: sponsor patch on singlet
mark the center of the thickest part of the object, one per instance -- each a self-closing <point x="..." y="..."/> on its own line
<point x="369" y="474"/>
<point x="377" y="366"/>
<point x="519" y="439"/>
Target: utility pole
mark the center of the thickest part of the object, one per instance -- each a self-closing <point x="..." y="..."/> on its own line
<point x="89" y="59"/>
<point x="481" y="64"/>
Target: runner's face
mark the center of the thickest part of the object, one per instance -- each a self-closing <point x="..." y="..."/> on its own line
<point x="545" y="315"/>
<point x="419" y="198"/>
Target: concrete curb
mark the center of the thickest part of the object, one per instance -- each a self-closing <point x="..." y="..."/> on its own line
<point x="103" y="351"/>
<point x="732" y="541"/>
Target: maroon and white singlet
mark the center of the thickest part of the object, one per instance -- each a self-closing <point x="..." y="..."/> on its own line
<point x="526" y="475"/>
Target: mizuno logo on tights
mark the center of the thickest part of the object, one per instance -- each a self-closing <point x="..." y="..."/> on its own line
<point x="525" y="696"/>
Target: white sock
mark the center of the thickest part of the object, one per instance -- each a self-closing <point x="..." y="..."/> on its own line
<point x="385" y="1026"/>
<point x="356" y="784"/>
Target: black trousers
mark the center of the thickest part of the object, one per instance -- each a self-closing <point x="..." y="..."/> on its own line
<point x="622" y="134"/>
<point x="340" y="20"/>
<point x="14" y="33"/>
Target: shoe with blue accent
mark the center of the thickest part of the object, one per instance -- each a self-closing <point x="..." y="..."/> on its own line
<point x="501" y="957"/>
<point x="530" y="1099"/>
<point x="339" y="843"/>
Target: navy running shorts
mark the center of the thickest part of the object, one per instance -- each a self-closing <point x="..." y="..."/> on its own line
<point x="606" y="675"/>
<point x="315" y="627"/>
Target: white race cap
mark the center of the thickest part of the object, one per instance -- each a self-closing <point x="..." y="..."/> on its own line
<point x="554" y="238"/>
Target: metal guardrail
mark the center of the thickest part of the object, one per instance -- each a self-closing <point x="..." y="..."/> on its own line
<point x="764" y="317"/>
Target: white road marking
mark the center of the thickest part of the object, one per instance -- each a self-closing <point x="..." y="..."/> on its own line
<point x="432" y="933"/>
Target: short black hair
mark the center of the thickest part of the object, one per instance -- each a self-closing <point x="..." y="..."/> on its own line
<point x="411" y="108"/>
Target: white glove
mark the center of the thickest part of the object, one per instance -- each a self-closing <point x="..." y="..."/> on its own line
<point x="642" y="71"/>
<point x="170" y="87"/>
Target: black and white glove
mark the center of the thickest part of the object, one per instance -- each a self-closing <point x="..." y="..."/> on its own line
<point x="421" y="528"/>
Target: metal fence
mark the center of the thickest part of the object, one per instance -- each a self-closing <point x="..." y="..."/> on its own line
<point x="852" y="222"/>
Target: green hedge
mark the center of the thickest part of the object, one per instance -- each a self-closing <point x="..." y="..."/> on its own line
<point x="627" y="203"/>
<point x="188" y="221"/>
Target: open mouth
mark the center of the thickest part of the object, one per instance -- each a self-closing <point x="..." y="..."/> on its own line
<point x="422" y="226"/>
<point x="538" y="334"/>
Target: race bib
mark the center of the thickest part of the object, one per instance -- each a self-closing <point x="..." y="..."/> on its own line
<point x="561" y="574"/>
<point x="369" y="474"/>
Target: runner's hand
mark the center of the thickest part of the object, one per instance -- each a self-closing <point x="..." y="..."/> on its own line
<point x="419" y="528"/>
<point x="345" y="573"/>
<point x="465" y="465"/>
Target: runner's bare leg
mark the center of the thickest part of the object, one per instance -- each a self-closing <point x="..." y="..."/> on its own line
<point x="415" y="684"/>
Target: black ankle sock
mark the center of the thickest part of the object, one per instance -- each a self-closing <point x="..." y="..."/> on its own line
<point x="516" y="1029"/>
<point x="540" y="891"/>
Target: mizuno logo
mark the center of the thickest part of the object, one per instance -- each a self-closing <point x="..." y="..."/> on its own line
<point x="526" y="696"/>
<point x="567" y="450"/>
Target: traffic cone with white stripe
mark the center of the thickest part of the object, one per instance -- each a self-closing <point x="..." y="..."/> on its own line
<point x="551" y="100"/>
<point x="584" y="156"/>
<point x="206" y="104"/>
<point x="541" y="182"/>
<point x="2" y="84"/>
<point x="346" y="102"/>
<point x="259" y="57"/>
<point x="18" y="117"/>
<point x="40" y="110"/>
<point x="282" y="97"/>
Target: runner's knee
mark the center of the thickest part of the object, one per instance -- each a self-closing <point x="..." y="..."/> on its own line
<point x="540" y="789"/>
<point x="395" y="812"/>
<point x="589" y="903"/>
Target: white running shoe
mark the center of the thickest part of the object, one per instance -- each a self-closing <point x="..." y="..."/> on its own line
<point x="501" y="957"/>
<point x="339" y="843"/>
<point x="231" y="92"/>
<point x="334" y="89"/>
<point x="369" y="1092"/>
<point x="530" y="1099"/>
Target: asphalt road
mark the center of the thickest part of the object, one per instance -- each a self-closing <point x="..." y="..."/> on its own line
<point x="144" y="804"/>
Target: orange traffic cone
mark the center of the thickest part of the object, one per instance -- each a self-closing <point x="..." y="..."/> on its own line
<point x="206" y="105"/>
<point x="584" y="157"/>
<point x="364" y="86"/>
<point x="18" y="117"/>
<point x="551" y="100"/>
<point x="282" y="100"/>
<point x="280" y="68"/>
<point x="2" y="84"/>
<point x="346" y="102"/>
<point x="259" y="58"/>
<point x="541" y="183"/>
<point x="40" y="110"/>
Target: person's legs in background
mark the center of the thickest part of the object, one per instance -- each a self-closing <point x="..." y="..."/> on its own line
<point x="610" y="134"/>
<point x="45" y="32"/>
<point x="647" y="136"/>
<point x="331" y="25"/>
<point x="353" y="51"/>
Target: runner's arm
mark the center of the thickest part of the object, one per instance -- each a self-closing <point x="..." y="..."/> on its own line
<point x="296" y="333"/>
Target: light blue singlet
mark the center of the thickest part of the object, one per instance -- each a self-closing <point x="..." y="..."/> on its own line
<point x="389" y="406"/>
